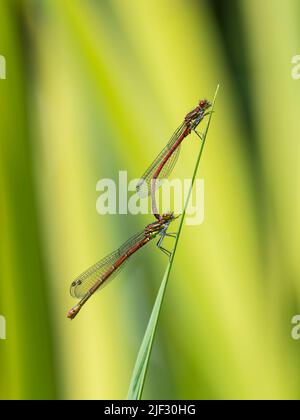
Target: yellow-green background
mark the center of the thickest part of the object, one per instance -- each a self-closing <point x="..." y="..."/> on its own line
<point x="97" y="86"/>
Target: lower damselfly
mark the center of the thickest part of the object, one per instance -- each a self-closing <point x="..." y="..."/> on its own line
<point x="98" y="275"/>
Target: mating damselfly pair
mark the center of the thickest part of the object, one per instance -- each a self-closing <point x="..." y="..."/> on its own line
<point x="98" y="275"/>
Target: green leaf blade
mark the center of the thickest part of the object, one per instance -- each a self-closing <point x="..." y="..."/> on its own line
<point x="142" y="362"/>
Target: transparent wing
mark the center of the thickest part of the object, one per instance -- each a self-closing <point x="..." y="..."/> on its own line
<point x="169" y="166"/>
<point x="83" y="283"/>
<point x="144" y="185"/>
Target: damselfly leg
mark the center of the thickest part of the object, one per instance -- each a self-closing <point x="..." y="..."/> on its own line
<point x="164" y="250"/>
<point x="163" y="235"/>
<point x="196" y="123"/>
<point x="200" y="135"/>
<point x="172" y="235"/>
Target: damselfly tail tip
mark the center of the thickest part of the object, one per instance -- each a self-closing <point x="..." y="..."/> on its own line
<point x="73" y="312"/>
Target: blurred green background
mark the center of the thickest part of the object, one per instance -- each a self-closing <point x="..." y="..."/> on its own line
<point x="98" y="86"/>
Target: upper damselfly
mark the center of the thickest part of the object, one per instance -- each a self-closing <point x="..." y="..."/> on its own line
<point x="97" y="276"/>
<point x="166" y="160"/>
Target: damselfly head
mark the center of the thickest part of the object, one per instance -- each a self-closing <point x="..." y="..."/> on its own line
<point x="204" y="104"/>
<point x="168" y="216"/>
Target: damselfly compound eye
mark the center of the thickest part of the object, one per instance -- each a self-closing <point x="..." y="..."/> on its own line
<point x="203" y="103"/>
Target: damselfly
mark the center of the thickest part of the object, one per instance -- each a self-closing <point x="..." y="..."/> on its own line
<point x="166" y="160"/>
<point x="97" y="276"/>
